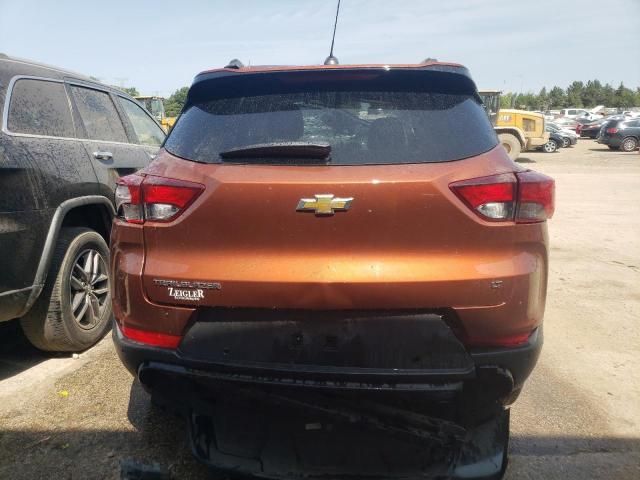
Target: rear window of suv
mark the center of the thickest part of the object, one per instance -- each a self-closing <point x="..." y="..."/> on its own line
<point x="407" y="121"/>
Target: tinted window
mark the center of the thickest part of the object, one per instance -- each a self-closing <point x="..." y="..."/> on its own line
<point x="147" y="130"/>
<point x="99" y="115"/>
<point x="362" y="127"/>
<point x="39" y="107"/>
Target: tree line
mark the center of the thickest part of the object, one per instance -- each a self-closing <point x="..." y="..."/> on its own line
<point x="172" y="105"/>
<point x="578" y="94"/>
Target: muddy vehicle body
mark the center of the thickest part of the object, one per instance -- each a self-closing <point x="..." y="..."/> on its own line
<point x="315" y="254"/>
<point x="64" y="141"/>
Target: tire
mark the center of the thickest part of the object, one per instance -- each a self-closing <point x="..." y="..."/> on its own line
<point x="73" y="311"/>
<point x="566" y="142"/>
<point x="550" y="147"/>
<point x="511" y="144"/>
<point x="629" y="144"/>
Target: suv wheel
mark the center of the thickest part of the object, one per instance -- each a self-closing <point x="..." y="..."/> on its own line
<point x="73" y="311"/>
<point x="565" y="142"/>
<point x="629" y="144"/>
<point x="550" y="147"/>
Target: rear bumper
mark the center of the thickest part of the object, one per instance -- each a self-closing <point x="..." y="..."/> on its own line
<point x="498" y="372"/>
<point x="612" y="141"/>
<point x="589" y="133"/>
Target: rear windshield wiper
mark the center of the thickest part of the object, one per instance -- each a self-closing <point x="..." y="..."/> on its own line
<point x="288" y="150"/>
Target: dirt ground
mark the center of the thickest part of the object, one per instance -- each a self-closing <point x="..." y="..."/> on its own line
<point x="578" y="418"/>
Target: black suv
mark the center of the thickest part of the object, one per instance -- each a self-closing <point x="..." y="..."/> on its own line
<point x="64" y="141"/>
<point x="621" y="134"/>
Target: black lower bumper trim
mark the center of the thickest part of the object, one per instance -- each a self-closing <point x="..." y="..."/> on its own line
<point x="509" y="366"/>
<point x="153" y="373"/>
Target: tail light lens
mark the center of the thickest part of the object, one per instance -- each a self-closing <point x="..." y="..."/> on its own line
<point x="612" y="130"/>
<point x="493" y="198"/>
<point x="165" y="198"/>
<point x="128" y="198"/>
<point x="523" y="197"/>
<point x="154" y="199"/>
<point x="536" y="197"/>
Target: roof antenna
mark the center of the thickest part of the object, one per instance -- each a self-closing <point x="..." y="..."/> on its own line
<point x="331" y="60"/>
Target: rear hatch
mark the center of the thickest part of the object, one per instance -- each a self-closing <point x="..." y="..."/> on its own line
<point x="336" y="195"/>
<point x="609" y="128"/>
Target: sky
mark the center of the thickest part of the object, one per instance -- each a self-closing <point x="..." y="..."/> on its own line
<point x="159" y="46"/>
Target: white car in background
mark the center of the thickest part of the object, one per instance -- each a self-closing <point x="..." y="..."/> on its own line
<point x="573" y="112"/>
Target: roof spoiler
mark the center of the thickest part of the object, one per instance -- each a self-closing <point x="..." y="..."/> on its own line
<point x="233" y="82"/>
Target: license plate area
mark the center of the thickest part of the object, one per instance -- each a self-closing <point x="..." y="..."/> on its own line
<point x="392" y="342"/>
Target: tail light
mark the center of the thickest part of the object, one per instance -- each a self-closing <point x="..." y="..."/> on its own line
<point x="155" y="199"/>
<point x="523" y="197"/>
<point x="536" y="197"/>
<point x="493" y="198"/>
<point x="612" y="130"/>
<point x="128" y="198"/>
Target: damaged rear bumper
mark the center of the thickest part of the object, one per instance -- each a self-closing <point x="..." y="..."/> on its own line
<point x="332" y="351"/>
<point x="393" y="395"/>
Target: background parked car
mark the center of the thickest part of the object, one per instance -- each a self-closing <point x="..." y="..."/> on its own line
<point x="567" y="123"/>
<point x="621" y="134"/>
<point x="64" y="142"/>
<point x="591" y="129"/>
<point x="573" y="112"/>
<point x="555" y="141"/>
<point x="569" y="137"/>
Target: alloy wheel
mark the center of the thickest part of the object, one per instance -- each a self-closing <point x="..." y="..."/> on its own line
<point x="629" y="145"/>
<point x="89" y="285"/>
<point x="550" y="146"/>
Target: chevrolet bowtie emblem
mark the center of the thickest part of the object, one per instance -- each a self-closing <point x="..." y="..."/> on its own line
<point x="324" y="204"/>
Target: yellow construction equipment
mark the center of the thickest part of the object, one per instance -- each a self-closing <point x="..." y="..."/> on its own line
<point x="155" y="106"/>
<point x="518" y="130"/>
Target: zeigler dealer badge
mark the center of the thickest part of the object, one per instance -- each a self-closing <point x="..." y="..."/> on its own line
<point x="188" y="290"/>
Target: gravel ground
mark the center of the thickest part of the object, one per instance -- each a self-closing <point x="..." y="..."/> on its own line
<point x="578" y="417"/>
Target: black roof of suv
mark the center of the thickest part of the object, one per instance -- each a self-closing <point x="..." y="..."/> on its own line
<point x="64" y="141"/>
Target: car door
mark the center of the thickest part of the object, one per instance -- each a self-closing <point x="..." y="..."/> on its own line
<point x="112" y="151"/>
<point x="634" y="128"/>
<point x="148" y="134"/>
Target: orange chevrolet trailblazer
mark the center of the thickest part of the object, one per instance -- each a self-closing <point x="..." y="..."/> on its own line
<point x="348" y="244"/>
